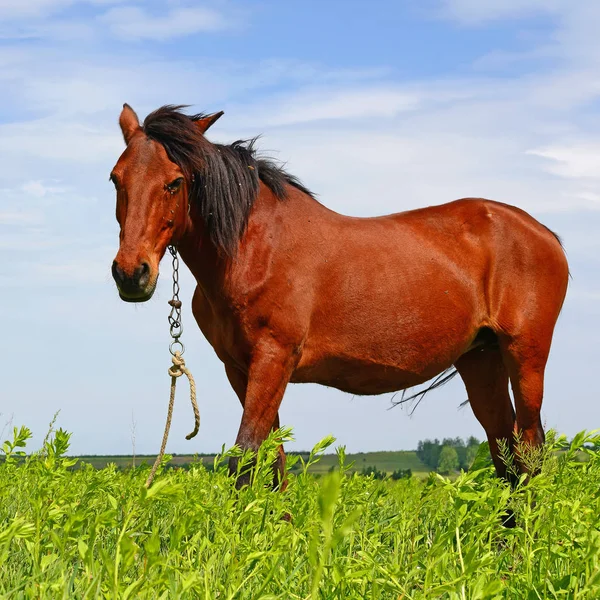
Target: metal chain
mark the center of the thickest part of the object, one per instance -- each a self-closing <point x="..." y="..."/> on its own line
<point x="175" y="325"/>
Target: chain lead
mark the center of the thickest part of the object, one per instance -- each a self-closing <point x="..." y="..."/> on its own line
<point x="176" y="327"/>
<point x="176" y="348"/>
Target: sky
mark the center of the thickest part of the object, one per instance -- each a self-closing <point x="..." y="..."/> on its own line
<point x="377" y="106"/>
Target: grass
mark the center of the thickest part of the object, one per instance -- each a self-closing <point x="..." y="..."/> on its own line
<point x="98" y="533"/>
<point x="387" y="462"/>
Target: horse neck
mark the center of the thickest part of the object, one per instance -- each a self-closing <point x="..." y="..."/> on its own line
<point x="216" y="273"/>
<point x="199" y="253"/>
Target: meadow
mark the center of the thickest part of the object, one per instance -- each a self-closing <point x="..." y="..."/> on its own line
<point x="385" y="461"/>
<point x="99" y="533"/>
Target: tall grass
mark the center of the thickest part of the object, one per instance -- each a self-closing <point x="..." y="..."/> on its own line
<point x="90" y="533"/>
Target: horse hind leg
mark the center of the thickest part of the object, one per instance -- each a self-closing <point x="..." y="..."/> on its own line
<point x="486" y="378"/>
<point x="525" y="357"/>
<point x="525" y="316"/>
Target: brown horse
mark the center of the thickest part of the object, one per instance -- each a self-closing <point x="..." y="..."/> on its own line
<point x="290" y="291"/>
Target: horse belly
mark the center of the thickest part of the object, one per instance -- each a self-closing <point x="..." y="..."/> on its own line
<point x="376" y="360"/>
<point x="357" y="377"/>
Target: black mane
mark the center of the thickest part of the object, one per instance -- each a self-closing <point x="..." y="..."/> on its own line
<point x="223" y="179"/>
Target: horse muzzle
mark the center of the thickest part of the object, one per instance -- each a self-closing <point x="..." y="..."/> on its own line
<point x="136" y="285"/>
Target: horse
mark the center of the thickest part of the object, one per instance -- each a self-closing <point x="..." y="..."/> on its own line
<point x="289" y="291"/>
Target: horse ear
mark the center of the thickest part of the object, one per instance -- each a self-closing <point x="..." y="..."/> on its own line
<point x="129" y="122"/>
<point x="204" y="123"/>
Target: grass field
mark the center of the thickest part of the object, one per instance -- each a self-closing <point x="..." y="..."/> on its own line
<point x="387" y="462"/>
<point x="98" y="533"/>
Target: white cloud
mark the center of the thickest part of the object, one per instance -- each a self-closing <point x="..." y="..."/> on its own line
<point x="9" y="9"/>
<point x="27" y="9"/>
<point x="64" y="31"/>
<point x="370" y="172"/>
<point x="576" y="161"/>
<point x="40" y="189"/>
<point x="573" y="41"/>
<point x="315" y="105"/>
<point x="476" y="12"/>
<point x="57" y="142"/>
<point x="132" y="23"/>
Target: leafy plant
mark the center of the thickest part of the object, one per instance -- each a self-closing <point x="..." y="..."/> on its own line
<point x="89" y="533"/>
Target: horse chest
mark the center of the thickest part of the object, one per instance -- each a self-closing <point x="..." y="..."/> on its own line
<point x="224" y="328"/>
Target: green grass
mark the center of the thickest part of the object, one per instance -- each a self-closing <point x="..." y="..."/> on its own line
<point x="387" y="462"/>
<point x="383" y="461"/>
<point x="98" y="533"/>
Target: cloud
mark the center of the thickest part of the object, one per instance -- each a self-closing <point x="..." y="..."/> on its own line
<point x="570" y="38"/>
<point x="32" y="8"/>
<point x="425" y="142"/>
<point x="48" y="29"/>
<point x="56" y="20"/>
<point x="60" y="146"/>
<point x="373" y="172"/>
<point x="133" y="23"/>
<point x="338" y="104"/>
<point x="40" y="189"/>
<point x="9" y="9"/>
<point x="475" y="12"/>
<point x="575" y="161"/>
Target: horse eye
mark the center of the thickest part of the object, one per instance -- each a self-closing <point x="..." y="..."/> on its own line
<point x="174" y="185"/>
<point x="113" y="179"/>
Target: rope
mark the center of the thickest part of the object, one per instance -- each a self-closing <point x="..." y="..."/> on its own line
<point x="176" y="370"/>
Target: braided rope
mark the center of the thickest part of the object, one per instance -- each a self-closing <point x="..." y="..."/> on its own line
<point x="176" y="370"/>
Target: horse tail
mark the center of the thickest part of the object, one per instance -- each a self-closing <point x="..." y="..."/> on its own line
<point x="443" y="378"/>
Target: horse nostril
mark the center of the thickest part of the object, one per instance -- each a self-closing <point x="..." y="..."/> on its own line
<point x="142" y="274"/>
<point x="117" y="273"/>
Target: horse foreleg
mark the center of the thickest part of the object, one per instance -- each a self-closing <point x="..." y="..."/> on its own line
<point x="268" y="376"/>
<point x="239" y="382"/>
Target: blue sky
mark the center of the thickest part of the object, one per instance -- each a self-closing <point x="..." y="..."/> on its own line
<point x="377" y="106"/>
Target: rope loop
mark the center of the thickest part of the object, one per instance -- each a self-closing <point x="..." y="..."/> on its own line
<point x="176" y="370"/>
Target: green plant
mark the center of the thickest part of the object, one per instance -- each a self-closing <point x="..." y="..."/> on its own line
<point x="90" y="533"/>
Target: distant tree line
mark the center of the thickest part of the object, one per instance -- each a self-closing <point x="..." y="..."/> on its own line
<point x="377" y="474"/>
<point x="451" y="454"/>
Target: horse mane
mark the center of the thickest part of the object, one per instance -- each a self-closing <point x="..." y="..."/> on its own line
<point x="223" y="179"/>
